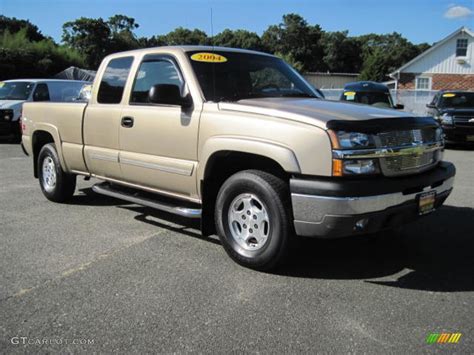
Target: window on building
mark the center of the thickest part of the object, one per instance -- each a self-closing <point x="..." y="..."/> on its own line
<point x="461" y="47"/>
<point x="423" y="83"/>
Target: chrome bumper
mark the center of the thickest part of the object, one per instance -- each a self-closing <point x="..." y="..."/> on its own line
<point x="327" y="216"/>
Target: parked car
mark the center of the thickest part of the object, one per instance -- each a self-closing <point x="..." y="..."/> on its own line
<point x="369" y="93"/>
<point x="240" y="140"/>
<point x="455" y="112"/>
<point x="13" y="93"/>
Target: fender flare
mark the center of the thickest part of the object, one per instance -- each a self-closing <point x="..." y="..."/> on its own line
<point x="54" y="132"/>
<point x="281" y="154"/>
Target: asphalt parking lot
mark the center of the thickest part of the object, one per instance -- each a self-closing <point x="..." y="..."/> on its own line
<point x="101" y="275"/>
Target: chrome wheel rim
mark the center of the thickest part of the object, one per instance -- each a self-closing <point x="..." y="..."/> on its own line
<point x="49" y="174"/>
<point x="249" y="222"/>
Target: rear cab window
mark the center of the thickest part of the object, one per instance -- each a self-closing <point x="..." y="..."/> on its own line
<point x="41" y="92"/>
<point x="113" y="80"/>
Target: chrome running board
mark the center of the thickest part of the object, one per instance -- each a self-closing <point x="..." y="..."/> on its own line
<point x="106" y="189"/>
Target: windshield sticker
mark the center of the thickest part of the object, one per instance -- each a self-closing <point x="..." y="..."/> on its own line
<point x="2" y="84"/>
<point x="449" y="95"/>
<point x="350" y="95"/>
<point x="208" y="58"/>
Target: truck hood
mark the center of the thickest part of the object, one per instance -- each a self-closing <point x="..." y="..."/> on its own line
<point x="312" y="111"/>
<point x="10" y="103"/>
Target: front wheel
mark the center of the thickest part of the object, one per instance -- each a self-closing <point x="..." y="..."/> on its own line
<point x="56" y="184"/>
<point x="253" y="212"/>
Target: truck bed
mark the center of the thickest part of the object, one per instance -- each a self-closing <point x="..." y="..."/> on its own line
<point x="63" y="121"/>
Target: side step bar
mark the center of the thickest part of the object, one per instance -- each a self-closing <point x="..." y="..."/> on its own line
<point x="106" y="189"/>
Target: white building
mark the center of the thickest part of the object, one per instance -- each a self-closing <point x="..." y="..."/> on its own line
<point x="448" y="64"/>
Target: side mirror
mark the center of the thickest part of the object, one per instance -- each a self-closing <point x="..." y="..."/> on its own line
<point x="168" y="94"/>
<point x="399" y="106"/>
<point x="430" y="106"/>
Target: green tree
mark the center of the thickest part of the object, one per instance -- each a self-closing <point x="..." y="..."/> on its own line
<point x="382" y="54"/>
<point x="184" y="36"/>
<point x="23" y="58"/>
<point x="238" y="39"/>
<point x="342" y="53"/>
<point x="14" y="25"/>
<point x="290" y="60"/>
<point x="89" y="36"/>
<point x="295" y="37"/>
<point x="97" y="38"/>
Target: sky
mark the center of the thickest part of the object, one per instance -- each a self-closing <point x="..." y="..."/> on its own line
<point x="418" y="20"/>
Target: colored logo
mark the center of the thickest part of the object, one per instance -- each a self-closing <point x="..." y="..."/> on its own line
<point x="443" y="338"/>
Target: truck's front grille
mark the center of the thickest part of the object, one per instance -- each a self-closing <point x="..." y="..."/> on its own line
<point x="408" y="164"/>
<point x="407" y="137"/>
<point x="464" y="121"/>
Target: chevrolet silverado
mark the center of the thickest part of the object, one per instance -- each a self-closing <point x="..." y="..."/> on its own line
<point x="241" y="141"/>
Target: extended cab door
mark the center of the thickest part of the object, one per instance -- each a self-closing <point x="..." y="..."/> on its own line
<point x="102" y="120"/>
<point x="158" y="142"/>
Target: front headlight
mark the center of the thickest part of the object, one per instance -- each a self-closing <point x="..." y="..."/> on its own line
<point x="347" y="141"/>
<point x="354" y="140"/>
<point x="446" y="119"/>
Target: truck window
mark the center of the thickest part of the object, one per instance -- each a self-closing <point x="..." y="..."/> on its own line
<point x="15" y="90"/>
<point x="64" y="91"/>
<point x="41" y="93"/>
<point x="154" y="71"/>
<point x="113" y="81"/>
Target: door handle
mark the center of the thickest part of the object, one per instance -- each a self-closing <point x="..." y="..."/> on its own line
<point x="127" y="122"/>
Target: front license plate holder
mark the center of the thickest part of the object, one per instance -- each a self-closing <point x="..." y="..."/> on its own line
<point x="426" y="202"/>
<point x="470" y="138"/>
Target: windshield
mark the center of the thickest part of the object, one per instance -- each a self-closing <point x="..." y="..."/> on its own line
<point x="15" y="90"/>
<point x="378" y="99"/>
<point x="457" y="100"/>
<point x="244" y="75"/>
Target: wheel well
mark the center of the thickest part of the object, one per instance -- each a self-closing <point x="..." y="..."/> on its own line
<point x="40" y="138"/>
<point x="220" y="166"/>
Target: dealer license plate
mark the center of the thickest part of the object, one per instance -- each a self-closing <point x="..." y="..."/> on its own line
<point x="470" y="138"/>
<point x="426" y="202"/>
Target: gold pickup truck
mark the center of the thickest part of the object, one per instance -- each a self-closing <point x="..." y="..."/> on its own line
<point x="240" y="140"/>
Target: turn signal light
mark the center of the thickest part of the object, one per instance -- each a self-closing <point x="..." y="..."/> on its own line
<point x="336" y="167"/>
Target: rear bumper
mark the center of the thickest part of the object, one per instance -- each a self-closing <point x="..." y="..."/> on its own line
<point x="331" y="208"/>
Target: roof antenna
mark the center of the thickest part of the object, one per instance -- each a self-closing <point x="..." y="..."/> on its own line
<point x="212" y="32"/>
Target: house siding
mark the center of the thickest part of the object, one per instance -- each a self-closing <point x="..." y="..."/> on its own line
<point x="443" y="60"/>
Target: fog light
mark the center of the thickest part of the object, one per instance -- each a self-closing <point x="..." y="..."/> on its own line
<point x="361" y="224"/>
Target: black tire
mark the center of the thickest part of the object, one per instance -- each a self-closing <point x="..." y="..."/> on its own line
<point x="273" y="193"/>
<point x="65" y="184"/>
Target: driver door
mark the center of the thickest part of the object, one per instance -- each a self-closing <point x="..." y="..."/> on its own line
<point x="158" y="142"/>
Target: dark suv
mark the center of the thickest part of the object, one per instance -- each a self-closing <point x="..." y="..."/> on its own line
<point x="455" y="111"/>
<point x="369" y="93"/>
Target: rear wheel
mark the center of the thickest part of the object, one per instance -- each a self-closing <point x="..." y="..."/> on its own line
<point x="57" y="185"/>
<point x="253" y="219"/>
